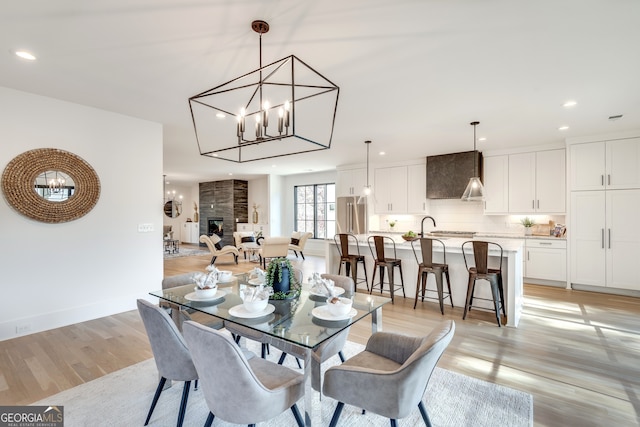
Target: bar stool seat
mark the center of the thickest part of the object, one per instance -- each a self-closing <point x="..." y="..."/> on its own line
<point x="343" y="240"/>
<point x="381" y="261"/>
<point x="481" y="271"/>
<point x="427" y="266"/>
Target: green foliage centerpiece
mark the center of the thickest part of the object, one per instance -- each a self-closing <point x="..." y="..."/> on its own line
<point x="280" y="277"/>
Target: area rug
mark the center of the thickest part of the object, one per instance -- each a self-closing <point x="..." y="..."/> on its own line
<point x="123" y="398"/>
<point x="185" y="252"/>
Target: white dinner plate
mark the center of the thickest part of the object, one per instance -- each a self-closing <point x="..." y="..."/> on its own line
<point x="240" y="311"/>
<point x="192" y="296"/>
<point x="336" y="292"/>
<point x="255" y="281"/>
<point x="323" y="313"/>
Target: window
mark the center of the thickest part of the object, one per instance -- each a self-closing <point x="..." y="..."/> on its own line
<point x="315" y="210"/>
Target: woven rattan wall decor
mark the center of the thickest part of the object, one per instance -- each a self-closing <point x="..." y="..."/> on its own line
<point x="20" y="175"/>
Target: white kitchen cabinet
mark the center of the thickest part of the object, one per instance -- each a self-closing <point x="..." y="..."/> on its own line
<point x="537" y="182"/>
<point x="417" y="189"/>
<point x="546" y="259"/>
<point x="190" y="232"/>
<point x="390" y="190"/>
<point x="350" y="182"/>
<point x="496" y="184"/>
<point x="605" y="239"/>
<point x="611" y="165"/>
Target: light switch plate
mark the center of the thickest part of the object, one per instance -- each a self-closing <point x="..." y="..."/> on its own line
<point x="145" y="228"/>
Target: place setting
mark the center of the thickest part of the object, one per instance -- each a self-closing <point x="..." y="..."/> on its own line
<point x="255" y="303"/>
<point x="206" y="289"/>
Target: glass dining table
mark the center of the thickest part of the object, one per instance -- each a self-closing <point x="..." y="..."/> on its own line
<point x="302" y="321"/>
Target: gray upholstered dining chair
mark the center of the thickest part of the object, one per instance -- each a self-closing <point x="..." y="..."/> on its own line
<point x="390" y="376"/>
<point x="240" y="390"/>
<point x="170" y="353"/>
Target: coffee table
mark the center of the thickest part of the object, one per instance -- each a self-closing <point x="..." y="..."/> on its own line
<point x="171" y="246"/>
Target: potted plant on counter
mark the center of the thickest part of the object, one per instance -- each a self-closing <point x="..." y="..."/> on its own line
<point x="281" y="278"/>
<point x="528" y="223"/>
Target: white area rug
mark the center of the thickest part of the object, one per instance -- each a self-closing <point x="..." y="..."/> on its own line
<point x="123" y="398"/>
<point x="185" y="252"/>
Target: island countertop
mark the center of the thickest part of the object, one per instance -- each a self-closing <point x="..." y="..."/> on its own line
<point x="512" y="269"/>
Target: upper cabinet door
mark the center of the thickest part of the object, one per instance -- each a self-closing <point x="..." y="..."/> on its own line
<point x="550" y="182"/>
<point x="496" y="184"/>
<point x="587" y="166"/>
<point x="417" y="188"/>
<point x="390" y="190"/>
<point x="522" y="183"/>
<point x="350" y="182"/>
<point x="623" y="164"/>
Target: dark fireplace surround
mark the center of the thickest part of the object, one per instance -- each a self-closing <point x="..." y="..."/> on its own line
<point x="215" y="226"/>
<point x="222" y="205"/>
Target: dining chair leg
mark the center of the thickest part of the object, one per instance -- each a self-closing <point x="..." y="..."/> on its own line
<point x="336" y="415"/>
<point x="163" y="380"/>
<point x="282" y="357"/>
<point x="496" y="301"/>
<point x="390" y="274"/>
<point x="394" y="422"/>
<point x="341" y="356"/>
<point x="296" y="414"/>
<point x="209" y="420"/>
<point x="183" y="403"/>
<point x="373" y="280"/>
<point x="366" y="279"/>
<point x="425" y="416"/>
<point x="401" y="280"/>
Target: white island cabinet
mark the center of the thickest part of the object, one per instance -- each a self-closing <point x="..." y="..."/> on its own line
<point x="512" y="271"/>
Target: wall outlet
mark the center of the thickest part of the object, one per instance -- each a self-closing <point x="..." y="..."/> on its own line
<point x="145" y="228"/>
<point x="22" y="329"/>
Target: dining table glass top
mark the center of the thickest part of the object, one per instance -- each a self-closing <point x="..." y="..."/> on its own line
<point x="303" y="320"/>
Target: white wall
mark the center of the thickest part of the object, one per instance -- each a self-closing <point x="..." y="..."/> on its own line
<point x="258" y="194"/>
<point x="59" y="274"/>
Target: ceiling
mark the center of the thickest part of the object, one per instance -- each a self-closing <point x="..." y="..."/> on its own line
<point x="412" y="73"/>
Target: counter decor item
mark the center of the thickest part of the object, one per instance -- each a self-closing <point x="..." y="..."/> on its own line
<point x="255" y="213"/>
<point x="392" y="224"/>
<point x="409" y="236"/>
<point x="280" y="277"/>
<point x="196" y="215"/>
<point x="527" y="223"/>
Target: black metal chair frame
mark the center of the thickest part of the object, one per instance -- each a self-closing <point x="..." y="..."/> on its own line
<point x="342" y="241"/>
<point x="428" y="266"/>
<point x="482" y="271"/>
<point x="382" y="262"/>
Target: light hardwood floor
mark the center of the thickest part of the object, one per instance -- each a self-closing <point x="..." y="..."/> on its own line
<point x="576" y="352"/>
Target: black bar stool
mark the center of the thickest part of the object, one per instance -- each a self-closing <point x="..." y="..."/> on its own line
<point x="482" y="271"/>
<point x="428" y="266"/>
<point x="343" y="240"/>
<point x="382" y="262"/>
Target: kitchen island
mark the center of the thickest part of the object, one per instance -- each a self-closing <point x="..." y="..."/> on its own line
<point x="512" y="271"/>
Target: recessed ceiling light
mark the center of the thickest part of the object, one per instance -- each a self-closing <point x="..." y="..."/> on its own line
<point x="382" y="153"/>
<point x="563" y="128"/>
<point x="25" y="55"/>
<point x="230" y="174"/>
<point x="220" y="115"/>
<point x="482" y="139"/>
<point x="569" y="104"/>
<point x="215" y="155"/>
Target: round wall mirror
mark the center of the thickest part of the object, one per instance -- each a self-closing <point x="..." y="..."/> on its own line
<point x="173" y="208"/>
<point x="50" y="185"/>
<point x="54" y="186"/>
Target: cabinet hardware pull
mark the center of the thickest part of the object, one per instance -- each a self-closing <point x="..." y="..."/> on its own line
<point x="602" y="180"/>
<point x="603" y="238"/>
<point x="609" y="238"/>
<point x="538" y="203"/>
<point x="609" y="179"/>
<point x="533" y="204"/>
<point x="545" y="243"/>
<point x="527" y="255"/>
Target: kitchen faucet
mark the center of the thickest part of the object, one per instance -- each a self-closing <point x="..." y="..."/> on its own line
<point x="422" y="224"/>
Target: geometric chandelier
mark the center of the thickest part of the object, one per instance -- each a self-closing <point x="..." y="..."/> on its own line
<point x="280" y="109"/>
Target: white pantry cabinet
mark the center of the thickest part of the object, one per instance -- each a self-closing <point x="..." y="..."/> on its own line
<point x="605" y="238"/>
<point x="350" y="182"/>
<point x="537" y="182"/>
<point x="611" y="165"/>
<point x="390" y="190"/>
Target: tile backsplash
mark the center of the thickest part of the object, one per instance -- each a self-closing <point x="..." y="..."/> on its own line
<point x="456" y="215"/>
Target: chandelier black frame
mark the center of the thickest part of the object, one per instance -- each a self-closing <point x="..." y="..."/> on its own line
<point x="305" y="111"/>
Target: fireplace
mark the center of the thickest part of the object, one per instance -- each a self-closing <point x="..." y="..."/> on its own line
<point x="215" y="226"/>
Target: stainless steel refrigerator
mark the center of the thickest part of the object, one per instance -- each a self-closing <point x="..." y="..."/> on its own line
<point x="352" y="216"/>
